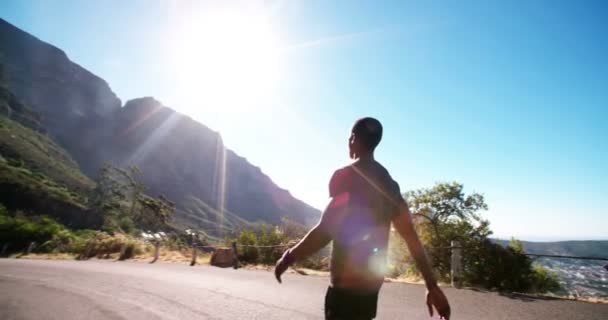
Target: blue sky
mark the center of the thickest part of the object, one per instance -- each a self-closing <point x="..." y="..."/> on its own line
<point x="509" y="98"/>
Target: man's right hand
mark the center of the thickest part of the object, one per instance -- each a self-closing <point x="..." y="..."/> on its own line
<point x="436" y="298"/>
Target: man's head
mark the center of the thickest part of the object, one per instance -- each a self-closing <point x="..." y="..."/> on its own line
<point x="365" y="137"/>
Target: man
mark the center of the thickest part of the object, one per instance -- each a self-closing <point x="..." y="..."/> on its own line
<point x="364" y="202"/>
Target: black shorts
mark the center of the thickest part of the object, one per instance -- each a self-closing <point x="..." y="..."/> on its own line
<point x="346" y="304"/>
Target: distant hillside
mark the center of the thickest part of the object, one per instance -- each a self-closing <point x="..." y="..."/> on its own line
<point x="587" y="248"/>
<point x="213" y="187"/>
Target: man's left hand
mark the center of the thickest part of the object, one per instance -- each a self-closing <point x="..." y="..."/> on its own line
<point x="436" y="298"/>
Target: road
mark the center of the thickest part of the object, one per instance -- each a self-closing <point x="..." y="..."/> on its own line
<point x="42" y="289"/>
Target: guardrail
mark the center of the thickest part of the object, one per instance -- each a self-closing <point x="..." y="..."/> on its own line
<point x="455" y="247"/>
<point x="565" y="257"/>
<point x="456" y="260"/>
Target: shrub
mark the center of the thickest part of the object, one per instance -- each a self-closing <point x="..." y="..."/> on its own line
<point x="493" y="266"/>
<point x="544" y="280"/>
<point x="102" y="245"/>
<point x="269" y="237"/>
<point x="19" y="230"/>
<point x="248" y="254"/>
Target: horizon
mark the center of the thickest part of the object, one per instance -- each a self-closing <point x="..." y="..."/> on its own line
<point x="536" y="159"/>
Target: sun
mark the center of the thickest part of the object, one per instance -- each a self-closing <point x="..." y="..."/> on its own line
<point x="226" y="61"/>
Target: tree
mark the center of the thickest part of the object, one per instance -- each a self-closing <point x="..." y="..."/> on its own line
<point x="155" y="212"/>
<point x="107" y="197"/>
<point x="133" y="186"/>
<point x="119" y="197"/>
<point x="445" y="201"/>
<point x="444" y="213"/>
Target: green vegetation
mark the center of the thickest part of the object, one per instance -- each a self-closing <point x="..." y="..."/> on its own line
<point x="39" y="158"/>
<point x="23" y="146"/>
<point x="18" y="230"/>
<point x="264" y="244"/>
<point x="443" y="213"/>
<point x="270" y="239"/>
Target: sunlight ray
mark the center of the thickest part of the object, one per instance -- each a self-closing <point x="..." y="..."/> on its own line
<point x="219" y="181"/>
<point x="140" y="154"/>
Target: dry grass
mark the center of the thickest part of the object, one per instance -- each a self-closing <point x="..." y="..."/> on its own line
<point x="594" y="299"/>
<point x="48" y="256"/>
<point x="168" y="256"/>
<point x="173" y="256"/>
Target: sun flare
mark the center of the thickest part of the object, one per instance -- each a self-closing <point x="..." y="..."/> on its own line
<point x="225" y="61"/>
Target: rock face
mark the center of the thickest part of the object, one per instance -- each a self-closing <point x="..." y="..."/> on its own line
<point x="213" y="188"/>
<point x="69" y="98"/>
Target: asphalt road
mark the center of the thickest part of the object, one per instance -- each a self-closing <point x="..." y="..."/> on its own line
<point x="41" y="289"/>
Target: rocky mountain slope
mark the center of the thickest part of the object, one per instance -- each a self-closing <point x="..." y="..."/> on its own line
<point x="36" y="174"/>
<point x="181" y="158"/>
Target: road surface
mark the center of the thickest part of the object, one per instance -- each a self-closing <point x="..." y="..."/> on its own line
<point x="42" y="289"/>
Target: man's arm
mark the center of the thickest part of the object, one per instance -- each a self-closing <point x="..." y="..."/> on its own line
<point x="434" y="297"/>
<point x="404" y="225"/>
<point x="317" y="238"/>
<point x="313" y="241"/>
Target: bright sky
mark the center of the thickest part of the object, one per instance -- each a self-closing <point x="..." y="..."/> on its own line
<point x="509" y="98"/>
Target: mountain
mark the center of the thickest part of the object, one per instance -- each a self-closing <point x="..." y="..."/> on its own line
<point x="35" y="173"/>
<point x="212" y="186"/>
<point x="586" y="248"/>
<point x="72" y="101"/>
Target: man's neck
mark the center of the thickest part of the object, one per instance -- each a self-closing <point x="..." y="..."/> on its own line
<point x="368" y="157"/>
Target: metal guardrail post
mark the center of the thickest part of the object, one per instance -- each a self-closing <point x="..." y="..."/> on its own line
<point x="30" y="247"/>
<point x="87" y="252"/>
<point x="4" y="249"/>
<point x="156" y="251"/>
<point x="123" y="251"/>
<point x="236" y="256"/>
<point x="194" y="251"/>
<point x="456" y="264"/>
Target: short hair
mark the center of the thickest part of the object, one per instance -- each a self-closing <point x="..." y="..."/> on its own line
<point x="368" y="131"/>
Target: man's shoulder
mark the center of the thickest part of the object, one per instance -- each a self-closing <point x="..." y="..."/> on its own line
<point x="343" y="171"/>
<point x="340" y="180"/>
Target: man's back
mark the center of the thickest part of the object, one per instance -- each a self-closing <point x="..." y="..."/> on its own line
<point x="361" y="229"/>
